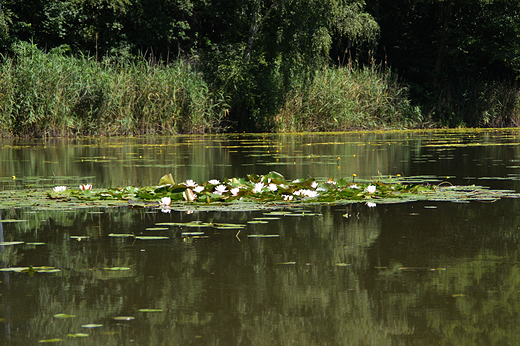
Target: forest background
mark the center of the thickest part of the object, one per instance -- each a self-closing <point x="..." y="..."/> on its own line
<point x="129" y="67"/>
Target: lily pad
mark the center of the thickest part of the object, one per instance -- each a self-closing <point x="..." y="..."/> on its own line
<point x="191" y="233"/>
<point x="263" y="235"/>
<point x="77" y="335"/>
<point x="150" y="310"/>
<point x="64" y="316"/>
<point x="228" y="225"/>
<point x="145" y="237"/>
<point x="123" y="318"/>
<point x="48" y="270"/>
<point x="121" y="235"/>
<point x="50" y="340"/>
<point x="91" y="325"/>
<point x="117" y="268"/>
<point x="11" y="242"/>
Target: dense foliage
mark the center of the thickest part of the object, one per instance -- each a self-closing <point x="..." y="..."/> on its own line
<point x="462" y="58"/>
<point x="261" y="59"/>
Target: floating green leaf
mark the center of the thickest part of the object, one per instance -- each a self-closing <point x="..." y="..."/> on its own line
<point x="150" y="310"/>
<point x="77" y="335"/>
<point x="91" y="325"/>
<point x="191" y="233"/>
<point x="263" y="235"/>
<point x="228" y="225"/>
<point x="122" y="235"/>
<point x="48" y="270"/>
<point x="144" y="237"/>
<point x="157" y="229"/>
<point x="11" y="242"/>
<point x="64" y="316"/>
<point x="123" y="318"/>
<point x="50" y="340"/>
<point x="116" y="268"/>
<point x="30" y="269"/>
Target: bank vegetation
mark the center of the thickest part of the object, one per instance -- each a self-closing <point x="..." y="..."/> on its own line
<point x="132" y="67"/>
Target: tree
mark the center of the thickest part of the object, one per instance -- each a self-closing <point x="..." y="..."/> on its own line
<point x="260" y="49"/>
<point x="453" y="53"/>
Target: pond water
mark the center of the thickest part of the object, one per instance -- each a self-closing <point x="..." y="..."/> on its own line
<point x="420" y="273"/>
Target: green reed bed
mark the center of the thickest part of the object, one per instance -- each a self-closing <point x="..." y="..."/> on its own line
<point x="345" y="98"/>
<point x="52" y="94"/>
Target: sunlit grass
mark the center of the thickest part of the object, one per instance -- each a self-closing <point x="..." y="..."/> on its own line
<point x="343" y="98"/>
<point x="52" y="94"/>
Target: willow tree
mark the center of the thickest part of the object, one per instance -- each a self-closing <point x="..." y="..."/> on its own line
<point x="260" y="49"/>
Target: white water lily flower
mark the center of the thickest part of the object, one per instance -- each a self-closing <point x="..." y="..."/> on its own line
<point x="309" y="193"/>
<point x="287" y="197"/>
<point x="214" y="182"/>
<point x="166" y="211"/>
<point x="190" y="183"/>
<point x="314" y="184"/>
<point x="198" y="189"/>
<point x="85" y="186"/>
<point x="220" y="189"/>
<point x="258" y="187"/>
<point x="272" y="187"/>
<point x="297" y="193"/>
<point x="165" y="202"/>
<point x="234" y="191"/>
<point x="59" y="188"/>
<point x="370" y="204"/>
<point x="353" y="186"/>
<point x="370" y="189"/>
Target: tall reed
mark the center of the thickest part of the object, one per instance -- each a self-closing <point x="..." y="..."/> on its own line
<point x="469" y="103"/>
<point x="344" y="98"/>
<point x="52" y="94"/>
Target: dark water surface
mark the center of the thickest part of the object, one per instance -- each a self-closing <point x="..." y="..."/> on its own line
<point x="419" y="273"/>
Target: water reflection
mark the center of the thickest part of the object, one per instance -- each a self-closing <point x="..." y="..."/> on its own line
<point x="109" y="162"/>
<point x="413" y="273"/>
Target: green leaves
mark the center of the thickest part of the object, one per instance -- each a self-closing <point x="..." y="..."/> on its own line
<point x="167" y="180"/>
<point x="254" y="192"/>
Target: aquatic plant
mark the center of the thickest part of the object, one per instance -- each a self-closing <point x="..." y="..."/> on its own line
<point x="271" y="190"/>
<point x="253" y="192"/>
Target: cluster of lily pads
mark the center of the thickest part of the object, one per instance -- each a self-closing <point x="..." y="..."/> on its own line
<point x="268" y="188"/>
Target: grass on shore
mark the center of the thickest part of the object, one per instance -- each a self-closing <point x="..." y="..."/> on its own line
<point x="52" y="94"/>
<point x="342" y="99"/>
